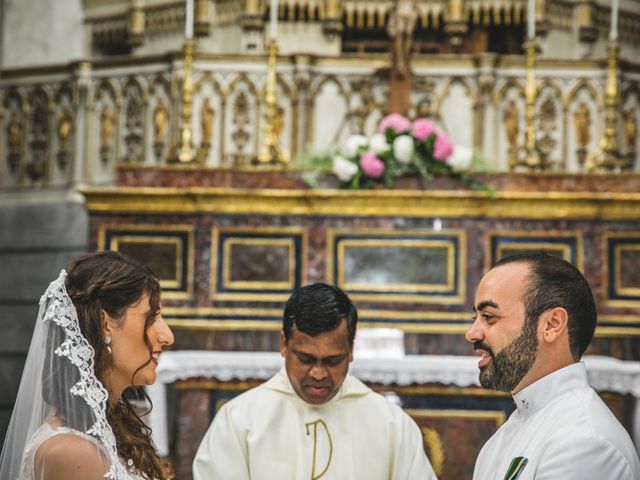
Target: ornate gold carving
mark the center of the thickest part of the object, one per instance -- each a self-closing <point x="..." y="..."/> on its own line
<point x="630" y="123"/>
<point x="133" y="125"/>
<point x="65" y="133"/>
<point x="511" y="123"/>
<point x="426" y="104"/>
<point x="107" y="123"/>
<point x="434" y="447"/>
<point x="240" y="120"/>
<point x="207" y="114"/>
<point x="135" y="35"/>
<point x="272" y="152"/>
<point x="201" y="20"/>
<point x="160" y="129"/>
<point x="182" y="152"/>
<point x="15" y="134"/>
<point x="606" y="157"/>
<point x="39" y="137"/>
<point x="529" y="152"/>
<point x="366" y="107"/>
<point x="547" y="125"/>
<point x="582" y="126"/>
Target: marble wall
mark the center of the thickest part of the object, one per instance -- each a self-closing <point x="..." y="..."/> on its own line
<point x="233" y="252"/>
<point x="36" y="242"/>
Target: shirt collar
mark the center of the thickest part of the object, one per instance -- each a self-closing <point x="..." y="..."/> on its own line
<point x="350" y="387"/>
<point x="541" y="393"/>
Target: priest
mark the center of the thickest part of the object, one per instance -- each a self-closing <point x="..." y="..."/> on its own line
<point x="312" y="420"/>
<point x="534" y="317"/>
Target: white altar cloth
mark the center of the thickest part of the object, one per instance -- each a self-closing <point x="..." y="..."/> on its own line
<point x="605" y="374"/>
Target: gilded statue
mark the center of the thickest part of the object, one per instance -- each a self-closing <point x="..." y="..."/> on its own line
<point x="630" y="120"/>
<point x="402" y="22"/>
<point x="582" y="125"/>
<point x="107" y="120"/>
<point x="15" y="133"/>
<point x="65" y="128"/>
<point x="278" y="121"/>
<point x="207" y="114"/>
<point x="511" y="121"/>
<point x="160" y="123"/>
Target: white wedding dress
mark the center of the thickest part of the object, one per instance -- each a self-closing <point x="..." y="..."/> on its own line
<point x="60" y="395"/>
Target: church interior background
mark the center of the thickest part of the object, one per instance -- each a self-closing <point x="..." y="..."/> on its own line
<point x="184" y="133"/>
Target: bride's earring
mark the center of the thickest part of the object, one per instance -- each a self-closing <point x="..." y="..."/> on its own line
<point x="107" y="342"/>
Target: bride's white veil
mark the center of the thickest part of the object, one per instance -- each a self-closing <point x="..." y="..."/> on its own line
<point x="59" y="394"/>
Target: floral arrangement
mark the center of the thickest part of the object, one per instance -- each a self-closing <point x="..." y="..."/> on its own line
<point x="402" y="147"/>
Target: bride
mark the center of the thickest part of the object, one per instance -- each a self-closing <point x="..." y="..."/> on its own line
<point x="99" y="331"/>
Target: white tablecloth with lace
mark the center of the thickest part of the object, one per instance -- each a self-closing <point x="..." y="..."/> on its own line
<point x="605" y="374"/>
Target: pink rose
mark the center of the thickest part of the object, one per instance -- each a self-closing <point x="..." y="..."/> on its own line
<point x="371" y="165"/>
<point x="443" y="147"/>
<point x="422" y="128"/>
<point x="395" y="122"/>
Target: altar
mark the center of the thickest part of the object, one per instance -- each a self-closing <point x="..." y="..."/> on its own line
<point x="229" y="246"/>
<point x="440" y="392"/>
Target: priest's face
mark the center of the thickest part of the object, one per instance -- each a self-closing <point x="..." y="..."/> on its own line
<point x="507" y="344"/>
<point x="317" y="365"/>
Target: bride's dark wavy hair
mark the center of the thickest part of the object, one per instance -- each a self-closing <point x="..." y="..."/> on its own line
<point x="112" y="282"/>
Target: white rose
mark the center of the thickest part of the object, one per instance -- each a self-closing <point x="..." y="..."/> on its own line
<point x="403" y="148"/>
<point x="343" y="168"/>
<point x="460" y="158"/>
<point x="378" y="143"/>
<point x="354" y="142"/>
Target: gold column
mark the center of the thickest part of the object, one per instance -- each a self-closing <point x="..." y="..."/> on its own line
<point x="332" y="22"/>
<point x="251" y="18"/>
<point x="201" y="23"/>
<point x="272" y="152"/>
<point x="456" y="22"/>
<point x="527" y="155"/>
<point x="135" y="33"/>
<point x="183" y="151"/>
<point x="587" y="29"/>
<point x="532" y="159"/>
<point x="607" y="155"/>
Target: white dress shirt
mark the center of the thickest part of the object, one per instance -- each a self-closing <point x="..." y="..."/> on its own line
<point x="560" y="430"/>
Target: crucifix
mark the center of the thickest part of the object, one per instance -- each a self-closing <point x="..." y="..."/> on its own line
<point x="402" y="23"/>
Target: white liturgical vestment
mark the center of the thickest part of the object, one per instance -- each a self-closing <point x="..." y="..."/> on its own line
<point x="560" y="430"/>
<point x="270" y="433"/>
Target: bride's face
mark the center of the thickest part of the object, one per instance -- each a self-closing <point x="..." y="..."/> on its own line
<point x="129" y="351"/>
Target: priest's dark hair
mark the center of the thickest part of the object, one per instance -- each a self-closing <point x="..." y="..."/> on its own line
<point x="318" y="308"/>
<point x="554" y="282"/>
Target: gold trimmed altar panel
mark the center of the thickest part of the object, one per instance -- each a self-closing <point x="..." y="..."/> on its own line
<point x="174" y="264"/>
<point x="261" y="242"/>
<point x="568" y="244"/>
<point x="449" y="290"/>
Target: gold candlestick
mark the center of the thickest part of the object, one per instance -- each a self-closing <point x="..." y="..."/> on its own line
<point x="527" y="155"/>
<point x="607" y="156"/>
<point x="183" y="151"/>
<point x="532" y="159"/>
<point x="272" y="152"/>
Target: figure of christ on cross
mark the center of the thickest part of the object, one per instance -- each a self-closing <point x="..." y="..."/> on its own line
<point x="400" y="27"/>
